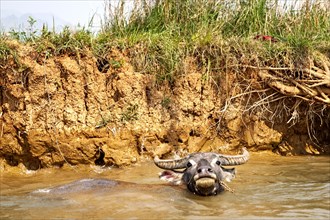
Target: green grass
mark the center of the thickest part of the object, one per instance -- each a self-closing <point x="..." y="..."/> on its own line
<point x="218" y="33"/>
<point x="5" y="50"/>
<point x="130" y="113"/>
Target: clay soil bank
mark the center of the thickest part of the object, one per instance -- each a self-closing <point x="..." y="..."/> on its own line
<point x="68" y="110"/>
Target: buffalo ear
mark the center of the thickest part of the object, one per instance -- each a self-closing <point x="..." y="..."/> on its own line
<point x="228" y="174"/>
<point x="171" y="177"/>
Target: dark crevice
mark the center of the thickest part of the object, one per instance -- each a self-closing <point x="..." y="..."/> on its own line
<point x="141" y="150"/>
<point x="1" y="95"/>
<point x="63" y="72"/>
<point x="148" y="95"/>
<point x="30" y="162"/>
<point x="103" y="65"/>
<point x="191" y="133"/>
<point x="116" y="96"/>
<point x="86" y="96"/>
<point x="100" y="160"/>
<point x="25" y="79"/>
<point x="11" y="160"/>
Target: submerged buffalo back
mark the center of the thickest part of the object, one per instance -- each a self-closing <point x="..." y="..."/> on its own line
<point x="80" y="186"/>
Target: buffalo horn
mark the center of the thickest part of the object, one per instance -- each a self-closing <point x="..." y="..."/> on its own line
<point x="229" y="160"/>
<point x="171" y="164"/>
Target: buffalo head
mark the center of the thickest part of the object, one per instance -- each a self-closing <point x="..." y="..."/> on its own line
<point x="203" y="173"/>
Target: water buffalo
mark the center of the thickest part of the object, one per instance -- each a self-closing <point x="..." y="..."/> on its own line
<point x="203" y="173"/>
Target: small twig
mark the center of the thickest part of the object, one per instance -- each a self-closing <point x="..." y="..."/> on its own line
<point x="249" y="92"/>
<point x="320" y="84"/>
<point x="226" y="187"/>
<point x="309" y="80"/>
<point x="302" y="97"/>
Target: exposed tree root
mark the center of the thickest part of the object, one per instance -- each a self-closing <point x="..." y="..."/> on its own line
<point x="315" y="85"/>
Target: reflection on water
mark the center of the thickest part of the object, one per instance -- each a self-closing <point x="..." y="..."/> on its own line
<point x="270" y="187"/>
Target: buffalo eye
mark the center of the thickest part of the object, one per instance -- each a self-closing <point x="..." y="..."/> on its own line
<point x="218" y="162"/>
<point x="189" y="164"/>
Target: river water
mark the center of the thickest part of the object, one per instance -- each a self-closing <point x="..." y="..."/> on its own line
<point x="267" y="187"/>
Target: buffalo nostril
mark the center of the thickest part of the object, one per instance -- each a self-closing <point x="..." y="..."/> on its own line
<point x="209" y="170"/>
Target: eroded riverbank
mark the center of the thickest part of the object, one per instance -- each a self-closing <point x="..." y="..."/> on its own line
<point x="66" y="110"/>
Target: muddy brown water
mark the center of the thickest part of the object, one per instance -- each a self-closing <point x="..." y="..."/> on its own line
<point x="267" y="187"/>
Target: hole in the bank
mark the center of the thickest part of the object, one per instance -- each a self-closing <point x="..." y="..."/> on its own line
<point x="180" y="140"/>
<point x="192" y="132"/>
<point x="32" y="164"/>
<point x="100" y="160"/>
<point x="103" y="65"/>
<point x="11" y="160"/>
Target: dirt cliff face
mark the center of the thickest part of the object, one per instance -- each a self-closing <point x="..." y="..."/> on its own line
<point x="68" y="109"/>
